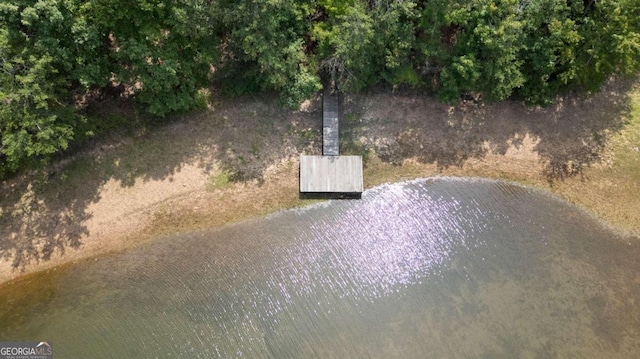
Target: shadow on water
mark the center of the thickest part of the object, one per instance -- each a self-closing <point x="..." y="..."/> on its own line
<point x="330" y="195"/>
<point x="47" y="212"/>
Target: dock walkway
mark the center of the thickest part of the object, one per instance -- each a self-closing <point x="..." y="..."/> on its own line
<point x="330" y="175"/>
<point x="330" y="144"/>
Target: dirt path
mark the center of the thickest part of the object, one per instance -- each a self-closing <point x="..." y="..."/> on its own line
<point x="239" y="160"/>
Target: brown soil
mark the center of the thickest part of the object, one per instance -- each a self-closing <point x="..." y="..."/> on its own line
<point x="239" y="159"/>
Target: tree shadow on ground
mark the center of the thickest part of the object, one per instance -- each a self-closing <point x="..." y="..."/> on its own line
<point x="33" y="224"/>
<point x="568" y="136"/>
<point x="48" y="212"/>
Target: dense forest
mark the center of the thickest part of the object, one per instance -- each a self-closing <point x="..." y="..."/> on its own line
<point x="58" y="55"/>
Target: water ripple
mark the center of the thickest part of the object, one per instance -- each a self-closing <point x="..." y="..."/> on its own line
<point x="428" y="268"/>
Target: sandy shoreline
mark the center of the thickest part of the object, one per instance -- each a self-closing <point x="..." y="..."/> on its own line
<point x="240" y="160"/>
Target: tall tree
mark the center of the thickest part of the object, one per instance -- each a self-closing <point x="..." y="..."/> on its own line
<point x="49" y="55"/>
<point x="610" y="31"/>
<point x="475" y="47"/>
<point x="395" y="27"/>
<point x="551" y="44"/>
<point x="361" y="43"/>
<point x="263" y="48"/>
<point x="162" y="49"/>
<point x="347" y="44"/>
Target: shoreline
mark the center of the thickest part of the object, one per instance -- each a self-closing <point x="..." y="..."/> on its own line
<point x="229" y="164"/>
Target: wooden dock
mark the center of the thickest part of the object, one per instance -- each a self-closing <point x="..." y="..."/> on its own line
<point x="330" y="144"/>
<point x="330" y="175"/>
<point x="339" y="175"/>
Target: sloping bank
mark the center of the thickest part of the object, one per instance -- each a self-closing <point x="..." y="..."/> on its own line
<point x="239" y="160"/>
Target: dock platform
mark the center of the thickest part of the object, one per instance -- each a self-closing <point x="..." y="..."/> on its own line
<point x="333" y="176"/>
<point x="330" y="175"/>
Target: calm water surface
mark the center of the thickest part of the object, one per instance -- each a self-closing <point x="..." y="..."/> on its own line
<point x="443" y="268"/>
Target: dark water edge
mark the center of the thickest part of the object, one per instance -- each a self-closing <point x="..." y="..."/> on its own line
<point x="439" y="268"/>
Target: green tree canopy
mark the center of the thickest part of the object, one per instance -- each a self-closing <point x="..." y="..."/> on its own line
<point x="54" y="54"/>
<point x="49" y="55"/>
<point x="263" y="48"/>
<point x="475" y="45"/>
<point x="162" y="50"/>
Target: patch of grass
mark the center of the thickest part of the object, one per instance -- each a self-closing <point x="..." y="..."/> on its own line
<point x="307" y="134"/>
<point x="76" y="170"/>
<point x="219" y="181"/>
<point x="377" y="172"/>
<point x="349" y="117"/>
<point x="626" y="144"/>
<point x="202" y="99"/>
<point x="611" y="190"/>
<point x="350" y="145"/>
<point x="255" y="150"/>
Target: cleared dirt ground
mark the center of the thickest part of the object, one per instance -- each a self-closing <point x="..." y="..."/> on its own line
<point x="239" y="159"/>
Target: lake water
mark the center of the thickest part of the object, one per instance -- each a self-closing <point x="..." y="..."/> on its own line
<point x="440" y="268"/>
